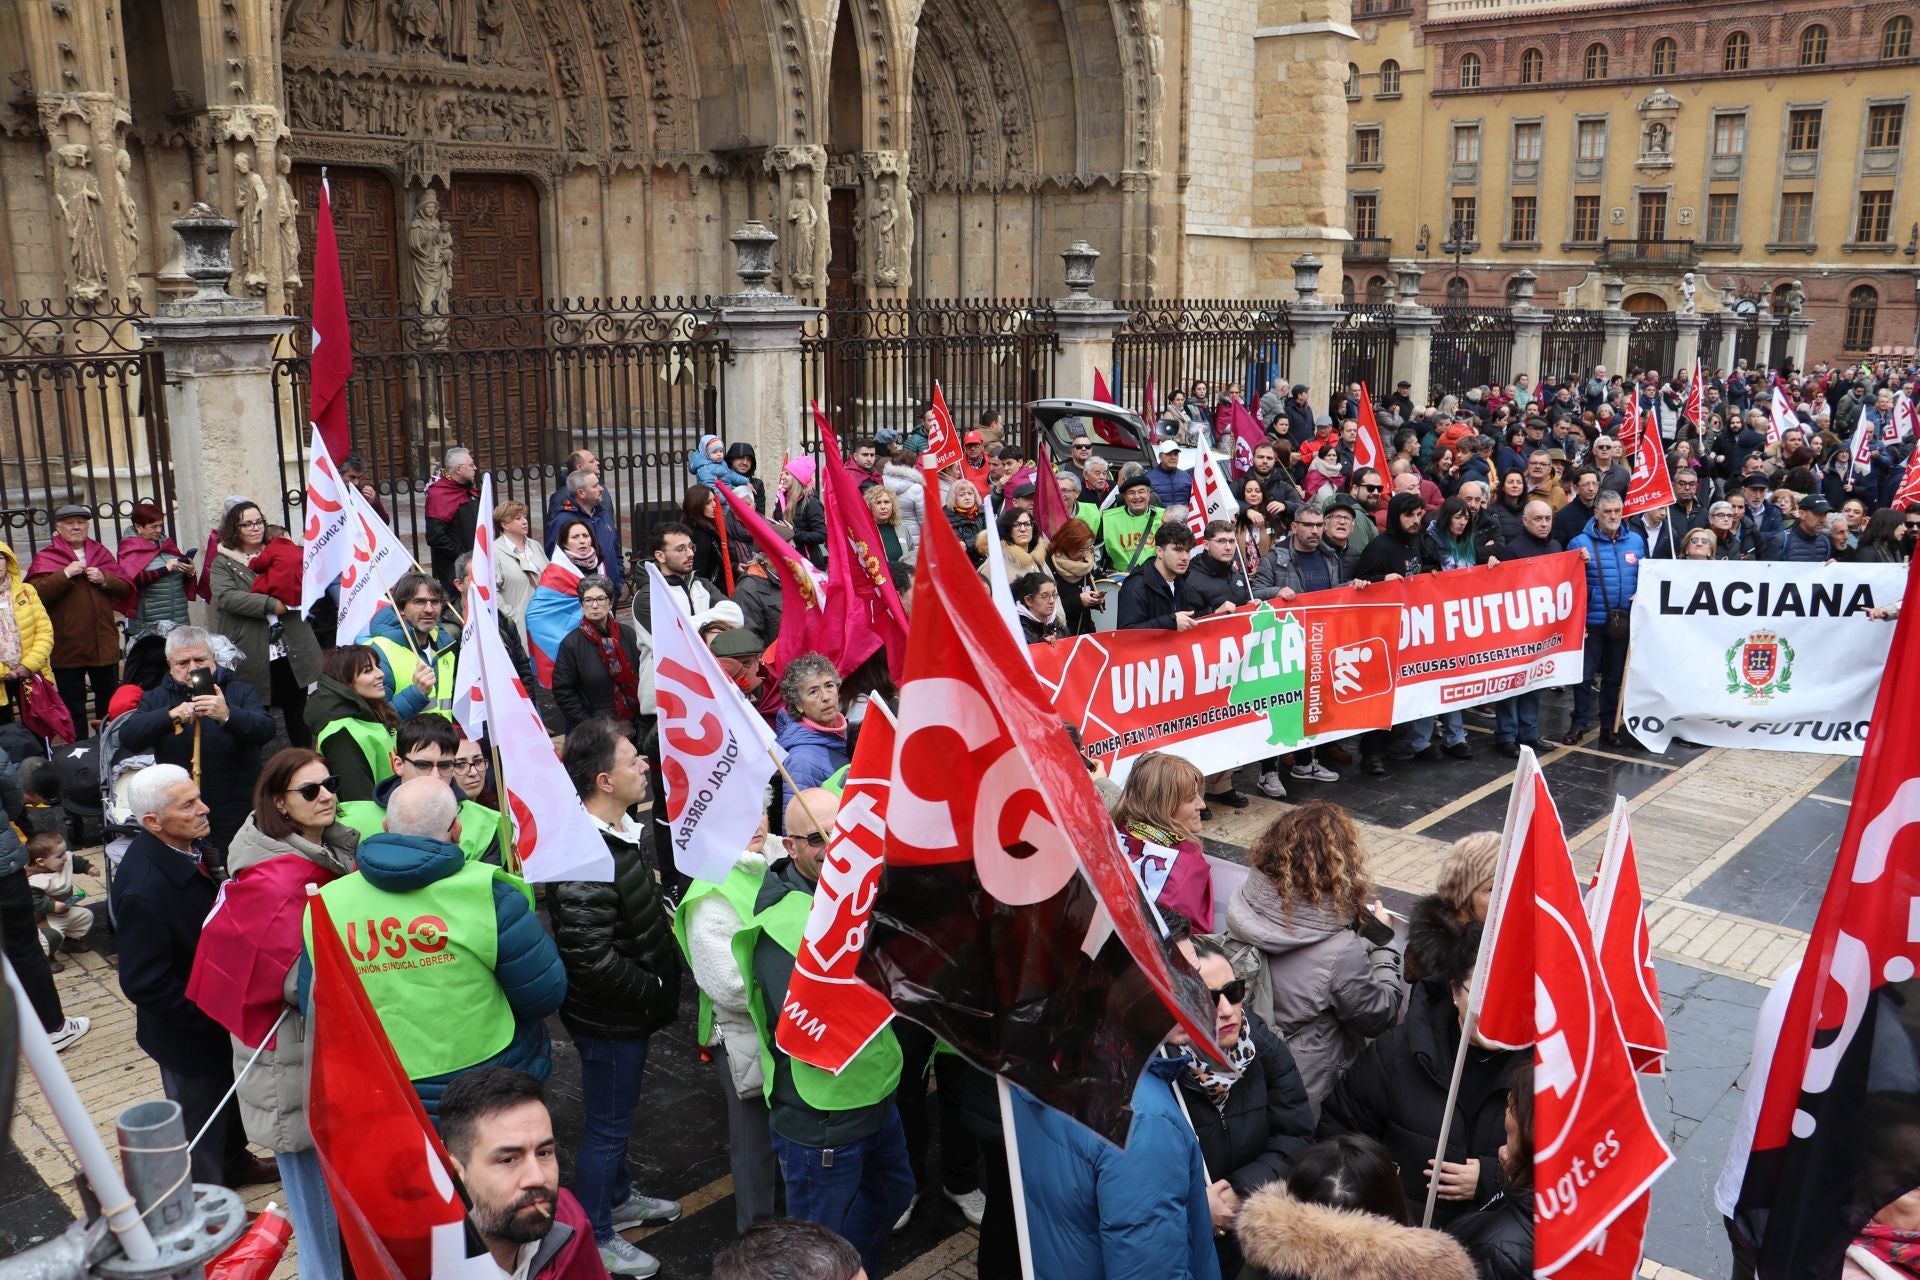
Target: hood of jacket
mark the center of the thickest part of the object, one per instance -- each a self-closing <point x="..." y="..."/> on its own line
<point x="391" y="626"/>
<point x="331" y="700"/>
<point x="1255" y="913"/>
<point x="792" y="731"/>
<point x="251" y="846"/>
<point x="12" y="563"/>
<point x="741" y="449"/>
<point x="398" y="864"/>
<point x="1290" y="1237"/>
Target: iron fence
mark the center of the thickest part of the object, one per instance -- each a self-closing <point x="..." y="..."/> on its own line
<point x="1472" y="347"/>
<point x="1363" y="349"/>
<point x="1711" y="327"/>
<point x="872" y="364"/>
<point x="637" y="381"/>
<point x="1571" y="346"/>
<point x="1171" y="345"/>
<point x="1651" y="342"/>
<point x="82" y="419"/>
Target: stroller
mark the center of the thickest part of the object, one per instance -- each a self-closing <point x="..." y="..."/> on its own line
<point x="97" y="793"/>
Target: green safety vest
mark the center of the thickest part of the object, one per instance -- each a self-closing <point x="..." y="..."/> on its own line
<point x="479" y="832"/>
<point x="874" y="1073"/>
<point x="364" y="816"/>
<point x="1121" y="532"/>
<point x="740" y="888"/>
<point x="374" y="739"/>
<point x="420" y="954"/>
<point x="403" y="660"/>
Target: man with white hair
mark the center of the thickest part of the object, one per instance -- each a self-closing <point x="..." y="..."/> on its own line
<point x="453" y="509"/>
<point x="587" y="500"/>
<point x="162" y="893"/>
<point x="456" y="966"/>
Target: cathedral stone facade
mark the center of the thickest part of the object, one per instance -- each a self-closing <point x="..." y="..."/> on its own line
<point x="513" y="150"/>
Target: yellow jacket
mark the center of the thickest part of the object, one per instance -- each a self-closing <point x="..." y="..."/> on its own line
<point x="36" y="629"/>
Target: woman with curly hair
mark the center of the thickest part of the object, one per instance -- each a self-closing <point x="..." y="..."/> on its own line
<point x="1158" y="814"/>
<point x="1330" y="952"/>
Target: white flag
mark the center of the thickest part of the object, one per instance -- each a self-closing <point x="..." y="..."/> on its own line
<point x="716" y="752"/>
<point x="378" y="561"/>
<point x="326" y="547"/>
<point x="469" y="693"/>
<point x="1863" y="447"/>
<point x="1212" y="496"/>
<point x="1901" y="427"/>
<point x="1782" y="417"/>
<point x="998" y="585"/>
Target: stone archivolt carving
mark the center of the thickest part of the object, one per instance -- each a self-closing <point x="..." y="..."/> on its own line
<point x="79" y="198"/>
<point x="318" y="103"/>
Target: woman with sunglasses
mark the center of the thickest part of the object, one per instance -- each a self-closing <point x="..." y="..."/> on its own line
<point x="1332" y="961"/>
<point x="291" y="839"/>
<point x="1251" y="1116"/>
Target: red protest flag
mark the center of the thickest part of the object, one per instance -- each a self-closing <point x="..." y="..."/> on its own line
<point x="1008" y="922"/>
<point x="807" y="625"/>
<point x="1100" y="391"/>
<point x="394" y="1189"/>
<point x="1649" y="485"/>
<point x="1370" y="448"/>
<point x="1629" y="432"/>
<point x="943" y="442"/>
<point x="1050" y="507"/>
<point x="332" y="355"/>
<point x="1696" y="397"/>
<point x="1248" y="435"/>
<point x="1617" y="913"/>
<point x="1909" y="491"/>
<point x="1101" y="427"/>
<point x="856" y="568"/>
<point x="1538" y="982"/>
<point x="1835" y="1138"/>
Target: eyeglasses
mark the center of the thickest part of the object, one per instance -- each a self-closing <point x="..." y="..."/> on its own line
<point x="813" y="839"/>
<point x="1369" y="488"/>
<point x="467" y="764"/>
<point x="1234" y="992"/>
<point x="435" y="601"/>
<point x="253" y="524"/>
<point x="443" y="766"/>
<point x="1309" y="524"/>
<point x="310" y="791"/>
<point x="595" y="600"/>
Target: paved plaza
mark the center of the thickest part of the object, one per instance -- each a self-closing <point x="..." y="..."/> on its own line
<point x="1735" y="849"/>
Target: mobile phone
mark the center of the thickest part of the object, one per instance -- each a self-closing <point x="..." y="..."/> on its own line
<point x="190" y="553"/>
<point x="200" y="682"/>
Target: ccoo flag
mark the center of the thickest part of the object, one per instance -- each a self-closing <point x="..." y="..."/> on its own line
<point x="326" y="544"/>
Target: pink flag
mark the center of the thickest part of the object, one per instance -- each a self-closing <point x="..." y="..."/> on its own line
<point x="1247" y="436"/>
<point x="332" y="357"/>
<point x="806" y="623"/>
<point x="861" y="584"/>
<point x="1050" y="509"/>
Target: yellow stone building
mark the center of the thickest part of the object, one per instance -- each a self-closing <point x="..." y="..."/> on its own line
<point x="1758" y="144"/>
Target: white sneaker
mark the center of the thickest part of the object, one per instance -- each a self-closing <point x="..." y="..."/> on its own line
<point x="972" y="1204"/>
<point x="1314" y="771"/>
<point x="69" y="1034"/>
<point x="623" y="1259"/>
<point x="912" y="1204"/>
<point x="1271" y="787"/>
<point x="639" y="1211"/>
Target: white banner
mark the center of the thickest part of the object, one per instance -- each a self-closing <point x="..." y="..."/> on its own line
<point x="1782" y="657"/>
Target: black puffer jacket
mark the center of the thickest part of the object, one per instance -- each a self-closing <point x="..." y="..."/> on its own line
<point x="1397" y="1089"/>
<point x="616" y="940"/>
<point x="1499" y="1237"/>
<point x="331" y="701"/>
<point x="1211" y="583"/>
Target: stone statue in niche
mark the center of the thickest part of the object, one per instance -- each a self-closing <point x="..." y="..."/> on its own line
<point x="884" y="221"/>
<point x="361" y="25"/>
<point x="1658" y="139"/>
<point x="803" y="225"/>
<point x="80" y="202"/>
<point x="289" y="225"/>
<point x="458" y="19"/>
<point x="490" y="27"/>
<point x="306" y="21"/>
<point x="129" y="217"/>
<point x="250" y="210"/>
<point x="430" y="245"/>
<point x="1687" y="290"/>
<point x="1796" y="298"/>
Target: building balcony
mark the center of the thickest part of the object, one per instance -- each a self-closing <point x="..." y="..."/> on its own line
<point x="1648" y="253"/>
<point x="1369" y="249"/>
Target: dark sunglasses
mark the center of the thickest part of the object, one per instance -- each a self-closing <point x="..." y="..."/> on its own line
<point x="813" y="838"/>
<point x="444" y="766"/>
<point x="311" y="791"/>
<point x="1235" y="991"/>
<point x="1369" y="488"/>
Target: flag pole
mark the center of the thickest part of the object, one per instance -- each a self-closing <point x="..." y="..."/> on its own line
<point x="1467" y="1029"/>
<point x="799" y="793"/>
<point x="1014" y="1178"/>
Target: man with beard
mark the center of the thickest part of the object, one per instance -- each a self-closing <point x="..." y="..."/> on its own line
<point x="495" y="1125"/>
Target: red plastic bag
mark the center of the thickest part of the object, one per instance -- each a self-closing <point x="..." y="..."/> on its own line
<point x="258" y="1251"/>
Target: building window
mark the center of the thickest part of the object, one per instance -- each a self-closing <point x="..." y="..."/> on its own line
<point x="1366" y="145"/>
<point x="1464" y="217"/>
<point x="1803" y="129"/>
<point x="1466" y="144"/>
<point x="1596" y="68"/>
<point x="1353" y="82"/>
<point x="1886" y="124"/>
<point x="1533" y="67"/>
<point x="1526" y="141"/>
<point x="1586" y="219"/>
<point x="1723" y="219"/>
<point x="1523" y="222"/>
<point x="1875" y="223"/>
<point x="1739" y="49"/>
<point x="1457" y="292"/>
<point x="1813" y="46"/>
<point x="1590" y="139"/>
<point x="1389" y="78"/>
<point x="1653" y="215"/>
<point x="1666" y="57"/>
<point x="1366" y="217"/>
<point x="1730" y="135"/>
<point x="1896" y="38"/>
<point x="1470" y="71"/>
<point x="1379" y="290"/>
<point x="1796" y="217"/>
<point x="1863" y="308"/>
<point x="1346" y="290"/>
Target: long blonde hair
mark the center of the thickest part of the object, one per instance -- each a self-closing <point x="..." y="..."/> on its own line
<point x="1155" y="790"/>
<point x="1312" y="855"/>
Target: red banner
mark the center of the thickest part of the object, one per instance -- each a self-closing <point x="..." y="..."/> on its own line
<point x="1271" y="677"/>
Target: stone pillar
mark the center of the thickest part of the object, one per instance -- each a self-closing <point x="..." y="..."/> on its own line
<point x="1618" y="325"/>
<point x="797" y="205"/>
<point x="886" y="221"/>
<point x="1086" y="326"/>
<point x="1313" y="323"/>
<point x="1729" y="339"/>
<point x="1763" y="349"/>
<point x="219" y="352"/>
<point x="1798" y="327"/>
<point x="763" y="331"/>
<point x="1529" y="342"/>
<point x="1686" y="345"/>
<point x="1412" y="351"/>
<point x="1300" y="55"/>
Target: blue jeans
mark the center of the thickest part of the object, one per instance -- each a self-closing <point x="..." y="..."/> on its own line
<point x="1607" y="659"/>
<point x="610" y="1075"/>
<point x="859" y="1190"/>
<point x="1517" y="719"/>
<point x="1453" y="730"/>
<point x="316" y="1232"/>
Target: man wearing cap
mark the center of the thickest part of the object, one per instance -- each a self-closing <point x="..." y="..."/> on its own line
<point x="1401" y="401"/>
<point x="1171" y="483"/>
<point x="157" y="568"/>
<point x="741" y="654"/>
<point x="1298" y="415"/>
<point x="1347" y="532"/>
<point x="1022" y="496"/>
<point x="1126" y="528"/>
<point x="81" y="584"/>
<point x="1806" y="541"/>
<point x="1764" y="518"/>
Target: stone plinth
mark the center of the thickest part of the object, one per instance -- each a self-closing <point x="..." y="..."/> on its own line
<point x="1412" y="351"/>
<point x="1529" y="334"/>
<point x="1618" y="326"/>
<point x="1312" y="363"/>
<point x="1686" y="344"/>
<point x="1086" y="327"/>
<point x="764" y="397"/>
<point x="1797" y="330"/>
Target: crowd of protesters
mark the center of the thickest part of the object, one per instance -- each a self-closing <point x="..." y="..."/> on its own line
<point x="1300" y="1157"/>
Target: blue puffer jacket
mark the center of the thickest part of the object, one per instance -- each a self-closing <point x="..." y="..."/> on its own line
<point x="406" y="700"/>
<point x="1613" y="568"/>
<point x="1096" y="1212"/>
<point x="813" y="755"/>
<point x="1173" y="488"/>
<point x="527" y="964"/>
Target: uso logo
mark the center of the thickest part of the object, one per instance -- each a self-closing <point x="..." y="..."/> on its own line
<point x="370" y="939"/>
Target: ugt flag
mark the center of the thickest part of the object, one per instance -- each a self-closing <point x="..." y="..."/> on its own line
<point x="1008" y="922"/>
<point x="1838" y="1136"/>
<point x="1212" y="495"/>
<point x="1618" y="915"/>
<point x="1537" y="982"/>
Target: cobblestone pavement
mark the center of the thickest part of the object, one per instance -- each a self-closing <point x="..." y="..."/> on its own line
<point x="1735" y="849"/>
